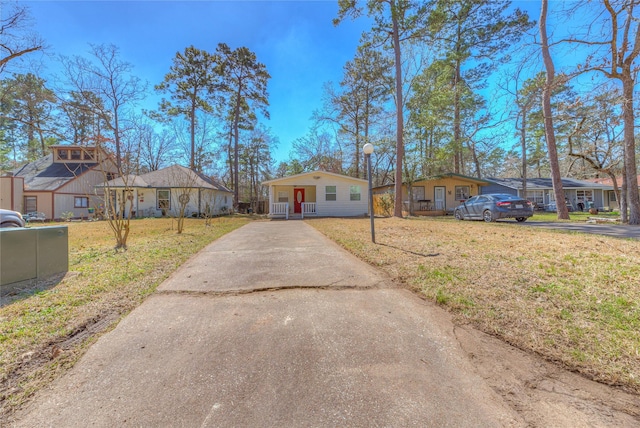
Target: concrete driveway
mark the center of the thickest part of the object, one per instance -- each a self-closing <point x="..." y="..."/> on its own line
<point x="274" y="325"/>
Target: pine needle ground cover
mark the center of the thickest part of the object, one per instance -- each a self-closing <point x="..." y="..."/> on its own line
<point x="47" y="327"/>
<point x="572" y="298"/>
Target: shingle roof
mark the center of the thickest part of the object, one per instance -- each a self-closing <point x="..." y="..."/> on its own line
<point x="609" y="182"/>
<point x="44" y="174"/>
<point x="173" y="176"/>
<point x="546" y="183"/>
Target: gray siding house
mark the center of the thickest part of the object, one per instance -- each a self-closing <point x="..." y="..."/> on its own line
<point x="579" y="194"/>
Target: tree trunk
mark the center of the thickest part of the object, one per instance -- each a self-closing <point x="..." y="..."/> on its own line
<point x="193" y="135"/>
<point x="624" y="196"/>
<point x="357" y="154"/>
<point x="397" y="212"/>
<point x="633" y="197"/>
<point x="456" y="121"/>
<point x="116" y="131"/>
<point x="549" y="132"/>
<point x="474" y="156"/>
<point x="236" y="155"/>
<point x="616" y="189"/>
<point x="523" y="143"/>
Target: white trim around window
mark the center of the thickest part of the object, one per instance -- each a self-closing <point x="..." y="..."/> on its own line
<point x="354" y="193"/>
<point x="330" y="193"/>
<point x="163" y="199"/>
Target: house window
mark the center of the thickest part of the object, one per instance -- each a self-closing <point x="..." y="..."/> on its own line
<point x="584" y="195"/>
<point x="163" y="196"/>
<point x="76" y="154"/>
<point x="354" y="193"/>
<point x="80" y="202"/>
<point x="283" y="196"/>
<point x="63" y="154"/>
<point x="417" y="193"/>
<point x="30" y="204"/>
<point x="462" y="193"/>
<point x="612" y="196"/>
<point x="330" y="193"/>
<point x="536" y="196"/>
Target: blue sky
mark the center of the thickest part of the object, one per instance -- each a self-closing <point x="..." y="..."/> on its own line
<point x="296" y="40"/>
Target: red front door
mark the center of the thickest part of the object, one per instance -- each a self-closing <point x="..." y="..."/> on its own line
<point x="298" y="199"/>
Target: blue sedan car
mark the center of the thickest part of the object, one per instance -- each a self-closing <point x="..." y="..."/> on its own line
<point x="493" y="207"/>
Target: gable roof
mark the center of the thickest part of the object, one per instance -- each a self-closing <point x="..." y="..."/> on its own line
<point x="314" y="173"/>
<point x="479" y="181"/>
<point x="609" y="182"/>
<point x="44" y="174"/>
<point x="546" y="183"/>
<point x="174" y="176"/>
<point x="453" y="174"/>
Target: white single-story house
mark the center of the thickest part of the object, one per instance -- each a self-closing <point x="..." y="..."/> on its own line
<point x="318" y="193"/>
<point x="167" y="192"/>
<point x="579" y="194"/>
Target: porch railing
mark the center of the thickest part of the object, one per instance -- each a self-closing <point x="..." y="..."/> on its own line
<point x="280" y="209"/>
<point x="308" y="208"/>
<point x="424" y="205"/>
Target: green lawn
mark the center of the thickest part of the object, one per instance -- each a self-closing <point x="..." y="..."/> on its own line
<point x="576" y="216"/>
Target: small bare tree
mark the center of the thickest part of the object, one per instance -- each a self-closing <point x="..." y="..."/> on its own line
<point x="116" y="191"/>
<point x="186" y="184"/>
<point x="106" y="86"/>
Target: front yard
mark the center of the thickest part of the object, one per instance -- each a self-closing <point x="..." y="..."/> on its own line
<point x="44" y="331"/>
<point x="572" y="298"/>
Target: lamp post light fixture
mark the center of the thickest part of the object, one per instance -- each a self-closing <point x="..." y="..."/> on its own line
<point x="368" y="150"/>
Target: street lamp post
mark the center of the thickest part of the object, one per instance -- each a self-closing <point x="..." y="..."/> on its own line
<point x="368" y="149"/>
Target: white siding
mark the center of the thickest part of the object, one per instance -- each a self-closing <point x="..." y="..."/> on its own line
<point x="146" y="201"/>
<point x="341" y="207"/>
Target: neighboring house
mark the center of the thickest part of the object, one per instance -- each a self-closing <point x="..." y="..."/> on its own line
<point x="435" y="195"/>
<point x="318" y="193"/>
<point x="62" y="182"/>
<point x="168" y="192"/>
<point x="11" y="191"/>
<point x="579" y="194"/>
<point x="613" y="202"/>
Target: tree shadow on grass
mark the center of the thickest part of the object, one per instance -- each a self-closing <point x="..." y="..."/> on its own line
<point x="17" y="291"/>
<point x="409" y="251"/>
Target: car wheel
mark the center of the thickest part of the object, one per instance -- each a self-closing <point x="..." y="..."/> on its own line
<point x="521" y="219"/>
<point x="487" y="216"/>
<point x="9" y="225"/>
<point x="458" y="215"/>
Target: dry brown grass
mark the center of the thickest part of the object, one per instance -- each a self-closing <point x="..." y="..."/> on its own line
<point x="44" y="330"/>
<point x="572" y="298"/>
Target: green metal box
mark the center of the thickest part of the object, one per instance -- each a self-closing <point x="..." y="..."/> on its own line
<point x="33" y="253"/>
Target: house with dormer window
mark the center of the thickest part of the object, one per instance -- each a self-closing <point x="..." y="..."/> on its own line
<point x="62" y="182"/>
